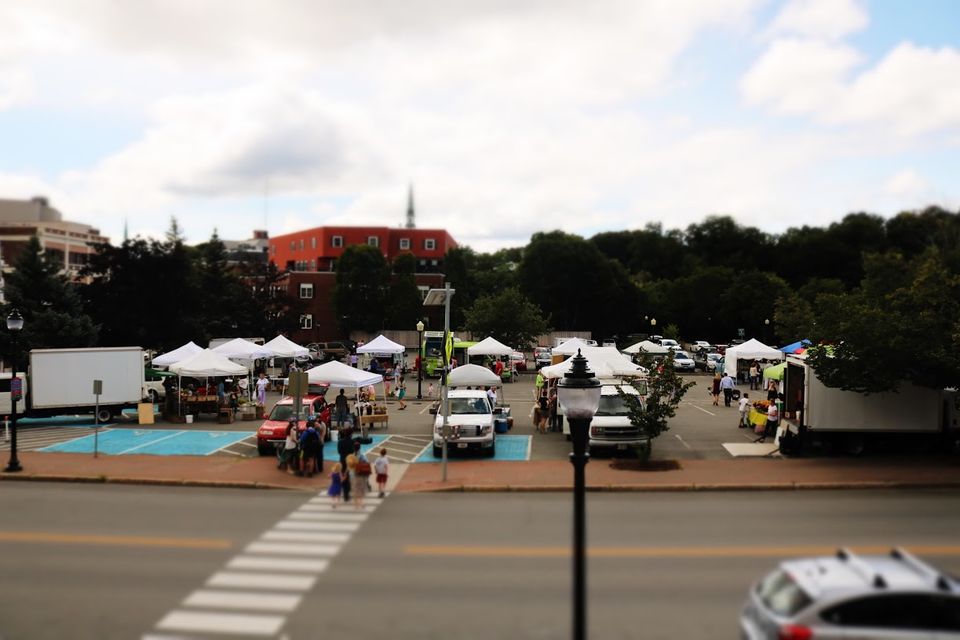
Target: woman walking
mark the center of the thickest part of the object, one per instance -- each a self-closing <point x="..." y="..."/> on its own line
<point x="358" y="480"/>
<point x="402" y="393"/>
<point x="715" y="391"/>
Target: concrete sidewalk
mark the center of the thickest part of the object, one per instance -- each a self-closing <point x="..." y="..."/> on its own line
<point x="470" y="475"/>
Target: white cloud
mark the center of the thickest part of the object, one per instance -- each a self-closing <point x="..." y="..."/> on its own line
<point x="829" y="19"/>
<point x="16" y="87"/>
<point x="911" y="89"/>
<point x="907" y="183"/>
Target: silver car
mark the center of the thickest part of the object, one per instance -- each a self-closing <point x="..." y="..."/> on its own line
<point x="850" y="596"/>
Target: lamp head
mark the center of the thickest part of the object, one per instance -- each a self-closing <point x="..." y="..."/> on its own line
<point x="653" y="322"/>
<point x="419" y="326"/>
<point x="14" y="321"/>
<point x="579" y="391"/>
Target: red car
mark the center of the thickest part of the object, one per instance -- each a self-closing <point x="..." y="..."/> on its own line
<point x="273" y="432"/>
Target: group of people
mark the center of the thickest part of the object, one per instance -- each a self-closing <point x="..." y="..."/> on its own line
<point x="302" y="452"/>
<point x="350" y="477"/>
<point x="545" y="414"/>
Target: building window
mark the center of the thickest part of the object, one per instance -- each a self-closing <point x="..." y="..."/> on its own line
<point x="404" y="244"/>
<point x="301" y="244"/>
<point x="313" y="265"/>
<point x="423" y="291"/>
<point x="373" y="241"/>
<point x="313" y="242"/>
<point x="273" y="249"/>
<point x="293" y="245"/>
<point x="337" y="241"/>
<point x="306" y="290"/>
<point x="429" y="244"/>
<point x="306" y="321"/>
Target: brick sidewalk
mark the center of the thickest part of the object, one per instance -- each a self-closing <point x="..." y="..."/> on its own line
<point x="469" y="475"/>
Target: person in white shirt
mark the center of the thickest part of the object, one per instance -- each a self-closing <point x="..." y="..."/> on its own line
<point x="492" y="396"/>
<point x="744" y="409"/>
<point x="381" y="466"/>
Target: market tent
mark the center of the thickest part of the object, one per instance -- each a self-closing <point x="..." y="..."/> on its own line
<point x="337" y="374"/>
<point x="796" y="347"/>
<point x="283" y="347"/>
<point x="207" y="364"/>
<point x="472" y="375"/>
<point x="752" y="349"/>
<point x="489" y="347"/>
<point x="240" y="349"/>
<point x="605" y="362"/>
<point x="381" y="344"/>
<point x="775" y="372"/>
<point x="647" y="347"/>
<point x="178" y="354"/>
<point x="570" y="347"/>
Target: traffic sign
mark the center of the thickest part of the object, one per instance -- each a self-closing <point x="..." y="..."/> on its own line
<point x="16" y="388"/>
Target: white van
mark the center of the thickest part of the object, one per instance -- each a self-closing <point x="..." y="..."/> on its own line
<point x="611" y="429"/>
<point x="471" y="423"/>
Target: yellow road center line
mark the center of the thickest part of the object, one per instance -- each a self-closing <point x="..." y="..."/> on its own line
<point x="39" y="537"/>
<point x="665" y="552"/>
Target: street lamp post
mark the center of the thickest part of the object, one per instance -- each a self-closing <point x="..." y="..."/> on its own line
<point x="438" y="297"/>
<point x="579" y="395"/>
<point x="766" y="329"/>
<point x="653" y="324"/>
<point x="419" y="359"/>
<point x="14" y="324"/>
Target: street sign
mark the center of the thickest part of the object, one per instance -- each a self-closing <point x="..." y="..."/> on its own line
<point x="97" y="387"/>
<point x="298" y="383"/>
<point x="16" y="388"/>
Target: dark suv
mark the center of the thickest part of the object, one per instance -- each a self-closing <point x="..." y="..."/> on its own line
<point x="326" y="351"/>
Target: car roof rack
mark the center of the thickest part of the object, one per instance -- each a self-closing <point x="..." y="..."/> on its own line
<point x="918" y="565"/>
<point x="862" y="567"/>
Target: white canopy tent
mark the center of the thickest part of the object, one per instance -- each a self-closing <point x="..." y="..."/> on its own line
<point x="489" y="346"/>
<point x="473" y="375"/>
<point x="240" y="349"/>
<point x="207" y="364"/>
<point x="647" y="347"/>
<point x="337" y="374"/>
<point x="178" y="354"/>
<point x="605" y="362"/>
<point x="283" y="347"/>
<point x="752" y="349"/>
<point x="570" y="347"/>
<point x="382" y="344"/>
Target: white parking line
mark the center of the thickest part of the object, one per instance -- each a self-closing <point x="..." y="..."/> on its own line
<point x="242" y="600"/>
<point x="238" y="623"/>
<point x="682" y="441"/>
<point x="152" y="442"/>
<point x="700" y="408"/>
<point x="278" y="581"/>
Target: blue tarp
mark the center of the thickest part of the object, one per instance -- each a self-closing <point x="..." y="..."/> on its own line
<point x="799" y="344"/>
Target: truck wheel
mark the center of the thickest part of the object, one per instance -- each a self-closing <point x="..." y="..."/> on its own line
<point x="854" y="445"/>
<point x="264" y="449"/>
<point x="154" y="396"/>
<point x="437" y="451"/>
<point x="104" y="415"/>
<point x="493" y="451"/>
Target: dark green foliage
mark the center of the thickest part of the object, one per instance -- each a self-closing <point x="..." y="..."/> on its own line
<point x="665" y="390"/>
<point x="508" y="316"/>
<point x="360" y="295"/>
<point x="405" y="306"/>
<point x="50" y="305"/>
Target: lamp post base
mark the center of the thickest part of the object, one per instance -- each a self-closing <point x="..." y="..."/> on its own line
<point x="12" y="467"/>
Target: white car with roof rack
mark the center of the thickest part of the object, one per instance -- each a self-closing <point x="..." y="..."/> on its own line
<point x="850" y="596"/>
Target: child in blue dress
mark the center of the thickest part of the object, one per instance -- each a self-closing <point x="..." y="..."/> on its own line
<point x="336" y="480"/>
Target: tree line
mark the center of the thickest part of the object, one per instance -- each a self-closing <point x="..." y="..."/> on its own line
<point x="885" y="293"/>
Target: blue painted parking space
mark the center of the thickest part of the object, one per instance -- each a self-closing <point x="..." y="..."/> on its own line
<point x="330" y="448"/>
<point x="509" y="448"/>
<point x="158" y="442"/>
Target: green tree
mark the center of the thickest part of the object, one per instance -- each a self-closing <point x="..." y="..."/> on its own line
<point x="665" y="390"/>
<point x="405" y="306"/>
<point x="508" y="316"/>
<point x="270" y="309"/>
<point x="360" y="294"/>
<point x="49" y="303"/>
<point x="901" y="324"/>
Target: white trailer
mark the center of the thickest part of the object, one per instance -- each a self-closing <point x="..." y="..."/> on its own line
<point x="60" y="381"/>
<point x="828" y="416"/>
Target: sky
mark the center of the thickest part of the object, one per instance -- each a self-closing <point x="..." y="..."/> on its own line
<point x="506" y="117"/>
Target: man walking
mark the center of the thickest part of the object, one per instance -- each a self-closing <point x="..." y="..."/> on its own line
<point x="726" y="385"/>
<point x="341" y="409"/>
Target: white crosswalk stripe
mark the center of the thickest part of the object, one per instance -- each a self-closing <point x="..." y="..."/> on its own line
<point x="238" y="623"/>
<point x="293" y="550"/>
<point x="304" y="536"/>
<point x="306" y="565"/>
<point x="328" y="516"/>
<point x="279" y="581"/>
<point x="318" y="526"/>
<point x="242" y="600"/>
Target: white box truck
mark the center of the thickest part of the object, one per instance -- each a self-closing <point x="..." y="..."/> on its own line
<point x="851" y="421"/>
<point x="60" y="382"/>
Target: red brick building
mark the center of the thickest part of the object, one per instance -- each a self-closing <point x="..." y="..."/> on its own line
<point x="311" y="257"/>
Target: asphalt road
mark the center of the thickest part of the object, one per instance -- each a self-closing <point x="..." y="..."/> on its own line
<point x="83" y="561"/>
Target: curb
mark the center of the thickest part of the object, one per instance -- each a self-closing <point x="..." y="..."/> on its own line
<point x="165" y="482"/>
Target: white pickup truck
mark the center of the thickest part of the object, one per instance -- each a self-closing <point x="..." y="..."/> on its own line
<point x="471" y="423"/>
<point x="611" y="429"/>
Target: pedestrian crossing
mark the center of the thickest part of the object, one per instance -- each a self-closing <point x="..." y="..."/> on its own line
<point x="255" y="591"/>
<point x="405" y="449"/>
<point x="34" y="438"/>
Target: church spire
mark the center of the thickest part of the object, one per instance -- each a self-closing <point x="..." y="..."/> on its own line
<point x="411" y="214"/>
